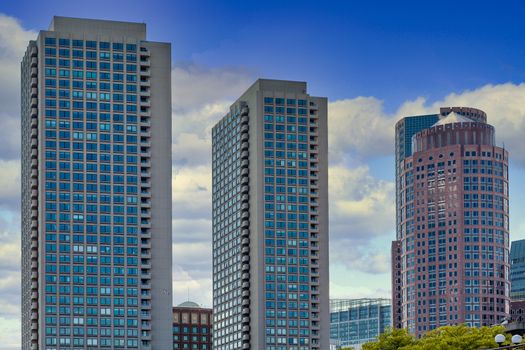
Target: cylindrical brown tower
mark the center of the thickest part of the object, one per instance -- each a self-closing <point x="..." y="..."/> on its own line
<point x="454" y="225"/>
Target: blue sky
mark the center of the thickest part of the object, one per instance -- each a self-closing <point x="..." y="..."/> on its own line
<point x="391" y="50"/>
<point x="376" y="61"/>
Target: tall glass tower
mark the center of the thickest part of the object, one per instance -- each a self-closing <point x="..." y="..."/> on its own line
<point x="270" y="221"/>
<point x="96" y="180"/>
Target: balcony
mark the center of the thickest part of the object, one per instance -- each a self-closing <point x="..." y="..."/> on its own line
<point x="145" y="133"/>
<point x="145" y="102"/>
<point x="144" y="92"/>
<point x="145" y="111"/>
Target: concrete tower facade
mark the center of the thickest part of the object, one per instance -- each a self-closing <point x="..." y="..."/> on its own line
<point x="270" y="221"/>
<point x="96" y="179"/>
<point x="452" y="248"/>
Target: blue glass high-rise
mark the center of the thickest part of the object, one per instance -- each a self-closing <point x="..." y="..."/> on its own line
<point x="96" y="179"/>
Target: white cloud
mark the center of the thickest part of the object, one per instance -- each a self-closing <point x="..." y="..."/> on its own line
<point x="360" y="128"/>
<point x="361" y="210"/>
<point x="353" y="290"/>
<point x="361" y="206"/>
<point x="9" y="184"/>
<point x="196" y="86"/>
<point x="13" y="43"/>
<point x="187" y="286"/>
<point x="191" y="150"/>
<point x="201" y="96"/>
<point x="9" y="332"/>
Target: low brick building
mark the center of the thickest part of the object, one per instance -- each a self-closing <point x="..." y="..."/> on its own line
<point x="192" y="326"/>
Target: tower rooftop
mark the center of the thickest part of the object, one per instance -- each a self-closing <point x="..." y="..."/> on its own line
<point x="452" y="118"/>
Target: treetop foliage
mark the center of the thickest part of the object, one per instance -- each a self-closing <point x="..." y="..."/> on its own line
<point x="444" y="338"/>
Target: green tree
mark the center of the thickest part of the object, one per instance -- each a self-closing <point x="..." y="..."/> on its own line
<point x="459" y="337"/>
<point x="444" y="338"/>
<point x="392" y="339"/>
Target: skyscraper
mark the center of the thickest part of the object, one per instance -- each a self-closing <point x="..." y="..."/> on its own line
<point x="517" y="270"/>
<point x="96" y="179"/>
<point x="450" y="259"/>
<point x="270" y="221"/>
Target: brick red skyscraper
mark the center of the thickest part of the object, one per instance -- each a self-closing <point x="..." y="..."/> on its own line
<point x="450" y="259"/>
